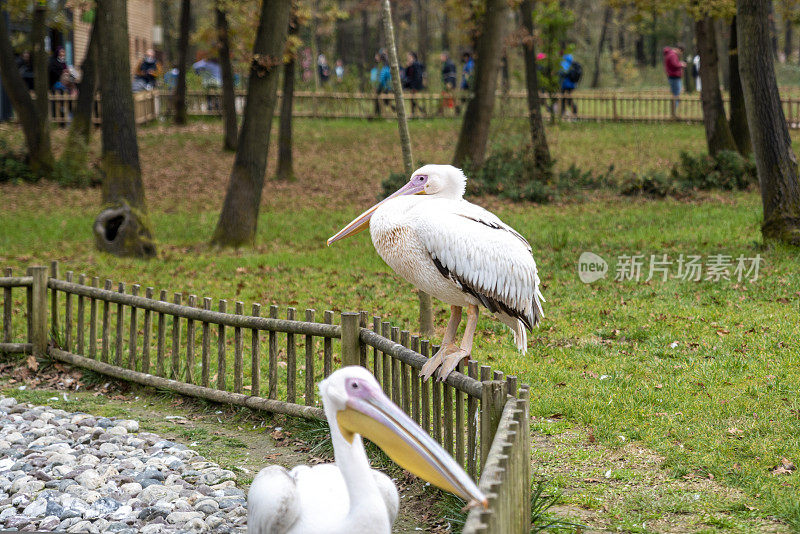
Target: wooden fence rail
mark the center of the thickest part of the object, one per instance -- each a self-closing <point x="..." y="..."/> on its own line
<point x="614" y="106"/>
<point x="227" y="355"/>
<point x="508" y="461"/>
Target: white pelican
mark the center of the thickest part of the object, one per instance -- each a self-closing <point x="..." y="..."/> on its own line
<point x="349" y="497"/>
<point x="458" y="252"/>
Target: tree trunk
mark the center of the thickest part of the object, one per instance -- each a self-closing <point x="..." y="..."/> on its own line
<point x="285" y="169"/>
<point x="422" y="30"/>
<point x="723" y="43"/>
<point x="37" y="139"/>
<point x="183" y="62"/>
<point x="239" y="217"/>
<point x="738" y="120"/>
<point x="228" y="90"/>
<point x="425" y="304"/>
<point x="718" y="133"/>
<point x="787" y="40"/>
<point x="772" y="146"/>
<point x="654" y="41"/>
<point x="41" y="78"/>
<point x="641" y="59"/>
<point x="122" y="227"/>
<point x="445" y="28"/>
<point x="76" y="149"/>
<point x="472" y="139"/>
<point x="365" y="56"/>
<point x="773" y="31"/>
<point x="541" y="151"/>
<point x="603" y="31"/>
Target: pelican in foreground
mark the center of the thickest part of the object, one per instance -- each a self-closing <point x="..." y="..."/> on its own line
<point x="348" y="497"/>
<point x="458" y="252"/>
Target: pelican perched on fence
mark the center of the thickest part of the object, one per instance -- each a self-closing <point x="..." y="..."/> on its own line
<point x="458" y="252"/>
<point x="349" y="497"/>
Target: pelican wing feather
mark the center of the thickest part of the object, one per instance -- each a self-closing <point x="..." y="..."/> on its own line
<point x="487" y="258"/>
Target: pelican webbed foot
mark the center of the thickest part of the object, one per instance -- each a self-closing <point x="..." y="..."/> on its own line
<point x="450" y="362"/>
<point x="437" y="360"/>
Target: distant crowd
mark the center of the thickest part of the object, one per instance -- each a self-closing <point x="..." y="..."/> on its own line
<point x="63" y="78"/>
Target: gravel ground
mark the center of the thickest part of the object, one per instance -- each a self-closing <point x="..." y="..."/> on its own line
<point x="73" y="472"/>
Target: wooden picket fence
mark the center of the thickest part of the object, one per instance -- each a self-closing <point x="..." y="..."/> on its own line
<point x="189" y="348"/>
<point x="62" y="106"/>
<point x="612" y="106"/>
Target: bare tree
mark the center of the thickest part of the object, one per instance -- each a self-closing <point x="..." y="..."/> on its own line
<point x="425" y="304"/>
<point x="772" y="146"/>
<point x="228" y="90"/>
<point x="41" y="78"/>
<point x="718" y="133"/>
<point x="599" y="51"/>
<point x="541" y="151"/>
<point x="34" y="127"/>
<point x="738" y="120"/>
<point x="285" y="169"/>
<point x="239" y="217"/>
<point x="183" y="63"/>
<point x="423" y="38"/>
<point x="76" y="148"/>
<point x="474" y="135"/>
<point x="121" y="228"/>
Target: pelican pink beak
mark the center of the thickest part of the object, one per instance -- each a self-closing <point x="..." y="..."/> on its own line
<point x="370" y="413"/>
<point x="415" y="186"/>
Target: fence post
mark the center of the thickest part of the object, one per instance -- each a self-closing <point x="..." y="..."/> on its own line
<point x="351" y="341"/>
<point x="524" y="444"/>
<point x="493" y="399"/>
<point x="38" y="333"/>
<point x="614" y="107"/>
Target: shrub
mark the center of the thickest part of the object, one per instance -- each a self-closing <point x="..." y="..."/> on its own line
<point x="728" y="171"/>
<point x="13" y="168"/>
<point x="656" y="183"/>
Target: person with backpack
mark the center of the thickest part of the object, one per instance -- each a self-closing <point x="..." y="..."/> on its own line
<point x="570" y="75"/>
<point x="673" y="67"/>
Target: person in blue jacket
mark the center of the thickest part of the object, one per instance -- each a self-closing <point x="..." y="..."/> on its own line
<point x="569" y="81"/>
<point x="384" y="84"/>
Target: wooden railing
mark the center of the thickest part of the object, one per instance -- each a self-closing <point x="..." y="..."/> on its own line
<point x="231" y="356"/>
<point x="615" y="106"/>
<point x="62" y="107"/>
<point x="507" y="463"/>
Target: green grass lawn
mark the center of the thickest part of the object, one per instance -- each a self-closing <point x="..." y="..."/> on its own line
<point x="694" y="385"/>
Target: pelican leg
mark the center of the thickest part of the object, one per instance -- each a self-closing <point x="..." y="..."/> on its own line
<point x="452" y="359"/>
<point x="447" y="347"/>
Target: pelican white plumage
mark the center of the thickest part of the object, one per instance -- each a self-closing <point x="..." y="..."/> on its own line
<point x="458" y="252"/>
<point x="349" y="497"/>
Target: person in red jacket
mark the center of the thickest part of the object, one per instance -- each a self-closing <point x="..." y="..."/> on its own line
<point x="674" y="69"/>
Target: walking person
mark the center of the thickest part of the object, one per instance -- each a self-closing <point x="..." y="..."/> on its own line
<point x="448" y="83"/>
<point x="56" y="69"/>
<point x="673" y="66"/>
<point x="570" y="75"/>
<point x="147" y="73"/>
<point x="414" y="80"/>
<point x="384" y="85"/>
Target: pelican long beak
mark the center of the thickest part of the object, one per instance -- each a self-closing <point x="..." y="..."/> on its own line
<point x="362" y="221"/>
<point x="378" y="419"/>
